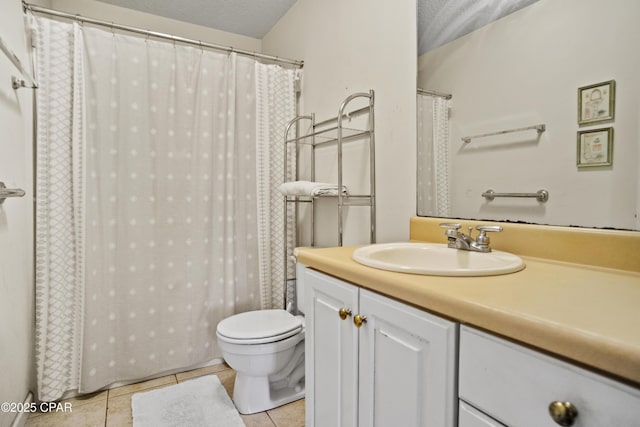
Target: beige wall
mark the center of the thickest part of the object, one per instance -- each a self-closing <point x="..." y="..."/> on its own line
<point x="524" y="70"/>
<point x="353" y="46"/>
<point x="16" y="220"/>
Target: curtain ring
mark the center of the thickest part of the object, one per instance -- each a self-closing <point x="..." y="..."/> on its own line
<point x="146" y="39"/>
<point x="113" y="33"/>
<point x="201" y="47"/>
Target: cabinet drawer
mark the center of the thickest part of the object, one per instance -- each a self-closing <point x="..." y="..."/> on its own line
<point x="515" y="385"/>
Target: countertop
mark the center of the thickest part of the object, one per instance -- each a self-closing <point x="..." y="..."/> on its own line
<point x="586" y="314"/>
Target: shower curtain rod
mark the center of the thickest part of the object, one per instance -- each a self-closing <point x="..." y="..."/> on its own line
<point x="434" y="93"/>
<point x="34" y="8"/>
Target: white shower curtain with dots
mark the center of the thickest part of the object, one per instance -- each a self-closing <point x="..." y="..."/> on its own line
<point x="433" y="155"/>
<point x="159" y="197"/>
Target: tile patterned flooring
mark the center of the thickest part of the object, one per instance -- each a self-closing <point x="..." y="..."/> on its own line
<point x="112" y="408"/>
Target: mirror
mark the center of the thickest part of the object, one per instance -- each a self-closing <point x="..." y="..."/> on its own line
<point x="517" y="73"/>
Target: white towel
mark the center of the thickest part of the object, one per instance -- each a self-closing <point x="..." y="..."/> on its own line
<point x="308" y="188"/>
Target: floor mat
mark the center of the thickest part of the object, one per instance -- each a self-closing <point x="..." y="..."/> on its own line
<point x="195" y="403"/>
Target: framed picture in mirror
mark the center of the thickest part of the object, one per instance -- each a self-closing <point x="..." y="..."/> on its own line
<point x="596" y="103"/>
<point x="595" y="147"/>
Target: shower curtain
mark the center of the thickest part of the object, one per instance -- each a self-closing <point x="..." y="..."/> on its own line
<point x="433" y="155"/>
<point x="148" y="225"/>
<point x="275" y="266"/>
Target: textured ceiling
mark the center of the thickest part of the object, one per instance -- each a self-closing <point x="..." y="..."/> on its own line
<point x="253" y="18"/>
<point x="439" y="21"/>
<point x="442" y="21"/>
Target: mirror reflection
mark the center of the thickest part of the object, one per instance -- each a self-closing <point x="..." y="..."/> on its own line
<point x="514" y="74"/>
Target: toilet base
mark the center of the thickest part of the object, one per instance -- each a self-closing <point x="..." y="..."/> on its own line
<point x="257" y="394"/>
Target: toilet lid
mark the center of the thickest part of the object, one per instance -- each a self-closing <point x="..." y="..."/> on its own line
<point x="260" y="325"/>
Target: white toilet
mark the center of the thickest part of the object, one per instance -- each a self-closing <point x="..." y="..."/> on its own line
<point x="266" y="349"/>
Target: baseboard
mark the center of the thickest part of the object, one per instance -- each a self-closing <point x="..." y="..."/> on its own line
<point x="21" y="419"/>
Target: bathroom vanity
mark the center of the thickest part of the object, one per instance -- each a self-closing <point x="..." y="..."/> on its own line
<point x="395" y="365"/>
<point x="555" y="340"/>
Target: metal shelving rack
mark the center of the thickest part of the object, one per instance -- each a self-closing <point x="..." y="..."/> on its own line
<point x="333" y="131"/>
<point x="321" y="134"/>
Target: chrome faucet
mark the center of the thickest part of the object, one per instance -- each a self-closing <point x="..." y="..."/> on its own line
<point x="459" y="240"/>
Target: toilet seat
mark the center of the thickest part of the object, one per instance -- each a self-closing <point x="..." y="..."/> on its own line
<point x="259" y="327"/>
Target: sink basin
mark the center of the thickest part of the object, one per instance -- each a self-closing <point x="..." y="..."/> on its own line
<point x="435" y="259"/>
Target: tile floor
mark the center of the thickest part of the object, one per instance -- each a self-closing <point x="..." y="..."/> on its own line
<point x="112" y="408"/>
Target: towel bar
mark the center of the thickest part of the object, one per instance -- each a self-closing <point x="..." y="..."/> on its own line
<point x="9" y="192"/>
<point x="539" y="128"/>
<point x="540" y="195"/>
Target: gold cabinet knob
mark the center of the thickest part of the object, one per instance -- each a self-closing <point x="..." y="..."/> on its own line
<point x="359" y="320"/>
<point x="563" y="413"/>
<point x="344" y="313"/>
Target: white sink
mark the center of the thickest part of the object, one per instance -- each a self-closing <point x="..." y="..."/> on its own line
<point x="435" y="259"/>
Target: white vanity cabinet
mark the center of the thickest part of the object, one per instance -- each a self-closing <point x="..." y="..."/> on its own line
<point x="398" y="368"/>
<point x="515" y="385"/>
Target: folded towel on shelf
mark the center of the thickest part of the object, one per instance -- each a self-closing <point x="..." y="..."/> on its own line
<point x="308" y="188"/>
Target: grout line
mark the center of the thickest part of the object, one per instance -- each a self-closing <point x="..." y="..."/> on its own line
<point x="271" y="419"/>
<point x="106" y="416"/>
<point x="106" y="410"/>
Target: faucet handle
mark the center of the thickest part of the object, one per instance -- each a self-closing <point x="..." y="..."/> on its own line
<point x="483" y="239"/>
<point x="482" y="228"/>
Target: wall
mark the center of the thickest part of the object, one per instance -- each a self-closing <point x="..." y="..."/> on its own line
<point x="16" y="220"/>
<point x="353" y="46"/>
<point x="523" y="70"/>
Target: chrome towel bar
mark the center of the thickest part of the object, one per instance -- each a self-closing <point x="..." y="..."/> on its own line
<point x="9" y="192"/>
<point x="540" y="128"/>
<point x="541" y="195"/>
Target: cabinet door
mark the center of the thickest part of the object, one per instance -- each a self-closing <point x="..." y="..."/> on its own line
<point x="407" y="365"/>
<point x="331" y="352"/>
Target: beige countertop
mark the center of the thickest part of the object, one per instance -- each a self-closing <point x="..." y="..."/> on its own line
<point x="584" y="313"/>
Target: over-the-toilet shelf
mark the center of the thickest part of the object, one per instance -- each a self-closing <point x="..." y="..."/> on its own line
<point x="326" y="132"/>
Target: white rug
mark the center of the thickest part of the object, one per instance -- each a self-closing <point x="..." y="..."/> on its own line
<point x="201" y="402"/>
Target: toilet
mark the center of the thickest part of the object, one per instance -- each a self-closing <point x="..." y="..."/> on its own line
<point x="266" y="349"/>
